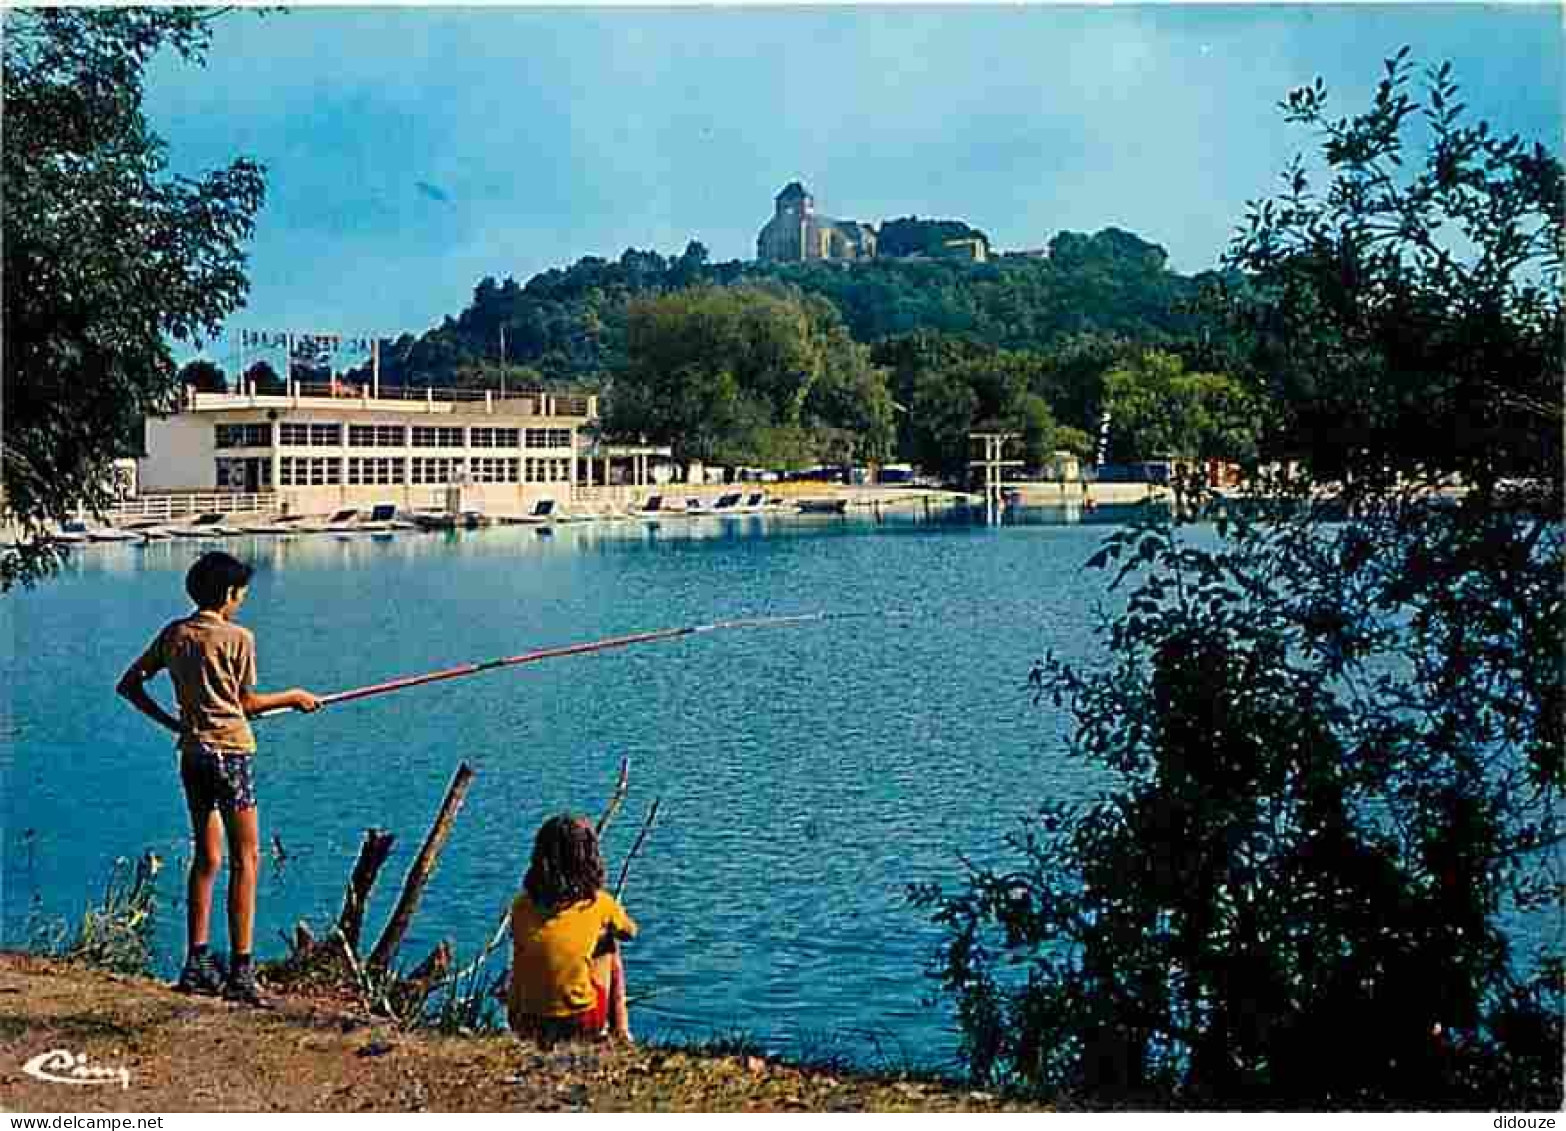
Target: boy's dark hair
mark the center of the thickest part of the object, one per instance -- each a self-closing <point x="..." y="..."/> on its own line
<point x="566" y="867"/>
<point x="213" y="575"/>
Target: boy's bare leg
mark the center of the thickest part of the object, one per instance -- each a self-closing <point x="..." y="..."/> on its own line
<point x="244" y="861"/>
<point x="204" y="862"/>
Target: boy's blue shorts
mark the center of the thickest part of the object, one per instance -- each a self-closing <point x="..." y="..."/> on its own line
<point x="216" y="779"/>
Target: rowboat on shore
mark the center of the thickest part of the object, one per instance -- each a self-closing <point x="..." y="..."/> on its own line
<point x="112" y="534"/>
<point x="467" y="520"/>
<point x="543" y="512"/>
<point x="149" y="531"/>
<point x="204" y="526"/>
<point x="282" y="524"/>
<point x="823" y="506"/>
<point x="726" y="503"/>
<point x="383" y="516"/>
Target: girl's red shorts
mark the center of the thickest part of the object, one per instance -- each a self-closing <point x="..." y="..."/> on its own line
<point x="591" y="1022"/>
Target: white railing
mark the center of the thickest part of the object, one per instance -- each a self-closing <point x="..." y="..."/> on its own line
<point x="181" y="504"/>
<point x="403" y="398"/>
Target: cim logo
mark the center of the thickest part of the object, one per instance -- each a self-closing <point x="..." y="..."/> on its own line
<point x="57" y="1066"/>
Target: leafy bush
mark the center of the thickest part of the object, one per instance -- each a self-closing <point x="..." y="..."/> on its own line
<point x="1292" y="895"/>
<point x="1335" y="734"/>
<point x="117" y="932"/>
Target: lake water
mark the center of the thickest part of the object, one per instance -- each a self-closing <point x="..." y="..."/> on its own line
<point x="807" y="774"/>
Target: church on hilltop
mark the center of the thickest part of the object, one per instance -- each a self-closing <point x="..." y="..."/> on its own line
<point x="797" y="233"/>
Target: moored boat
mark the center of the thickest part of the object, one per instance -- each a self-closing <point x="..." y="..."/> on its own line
<point x="204" y="526"/>
<point x="112" y="534"/>
<point x="467" y="520"/>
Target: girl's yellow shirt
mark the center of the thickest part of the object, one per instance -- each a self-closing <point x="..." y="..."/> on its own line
<point x="552" y="958"/>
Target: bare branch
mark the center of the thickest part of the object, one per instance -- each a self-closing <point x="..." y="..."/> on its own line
<point x="625" y="869"/>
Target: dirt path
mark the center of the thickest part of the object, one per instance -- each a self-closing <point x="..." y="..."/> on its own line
<point x="198" y="1054"/>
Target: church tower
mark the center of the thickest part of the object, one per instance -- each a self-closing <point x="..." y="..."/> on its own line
<point x="786" y="237"/>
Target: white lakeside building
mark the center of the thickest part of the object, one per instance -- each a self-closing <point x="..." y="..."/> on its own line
<point x="318" y="448"/>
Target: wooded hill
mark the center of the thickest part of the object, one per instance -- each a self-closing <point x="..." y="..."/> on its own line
<point x="569" y="325"/>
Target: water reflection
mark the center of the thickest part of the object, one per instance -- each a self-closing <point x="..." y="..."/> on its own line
<point x="349" y="549"/>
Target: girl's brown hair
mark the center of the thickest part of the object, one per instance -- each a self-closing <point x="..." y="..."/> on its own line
<point x="566" y="866"/>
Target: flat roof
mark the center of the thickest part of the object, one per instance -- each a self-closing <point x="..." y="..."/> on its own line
<point x="413" y="403"/>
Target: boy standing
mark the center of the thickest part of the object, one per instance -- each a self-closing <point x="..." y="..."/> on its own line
<point x="212" y="662"/>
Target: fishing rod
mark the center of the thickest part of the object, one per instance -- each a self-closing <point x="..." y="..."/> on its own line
<point x="604" y="645"/>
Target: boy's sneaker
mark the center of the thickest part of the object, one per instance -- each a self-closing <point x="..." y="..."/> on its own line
<point x="201" y="975"/>
<point x="243" y="988"/>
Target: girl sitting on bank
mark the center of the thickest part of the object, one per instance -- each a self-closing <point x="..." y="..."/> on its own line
<point x="567" y="979"/>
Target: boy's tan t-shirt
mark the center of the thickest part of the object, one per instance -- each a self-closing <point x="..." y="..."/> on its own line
<point x="212" y="663"/>
<point x="552" y="957"/>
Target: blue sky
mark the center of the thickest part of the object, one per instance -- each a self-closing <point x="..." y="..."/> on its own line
<point x="411" y="151"/>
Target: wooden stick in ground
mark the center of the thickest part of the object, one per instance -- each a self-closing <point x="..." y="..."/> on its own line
<point x="616" y="799"/>
<point x="373" y="852"/>
<point x="423" y="867"/>
<point x="625" y="869"/>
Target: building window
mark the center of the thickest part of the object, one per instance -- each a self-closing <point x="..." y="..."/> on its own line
<point x="235" y="474"/>
<point x="547" y="470"/>
<point x="376" y="471"/>
<point x="375" y="435"/>
<point x="310" y="435"/>
<point x="424" y="437"/>
<point x="309" y="471"/>
<point x="549" y="437"/>
<point x="491" y="469"/>
<point x="243" y="436"/>
<point x="434" y="469"/>
<point x="494" y="437"/>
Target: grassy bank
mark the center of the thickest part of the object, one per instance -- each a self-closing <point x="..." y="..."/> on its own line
<point x="199" y="1054"/>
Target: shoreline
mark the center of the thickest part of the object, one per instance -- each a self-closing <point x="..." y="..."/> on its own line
<point x="177" y="1053"/>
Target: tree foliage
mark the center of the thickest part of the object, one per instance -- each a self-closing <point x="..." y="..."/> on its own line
<point x="910" y="235"/>
<point x="106" y="258"/>
<point x="1404" y="320"/>
<point x="1334" y="735"/>
<point x="203" y="376"/>
<point x="265" y="379"/>
<point x="1159" y="410"/>
<point x="951" y="386"/>
<point x="741" y="373"/>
